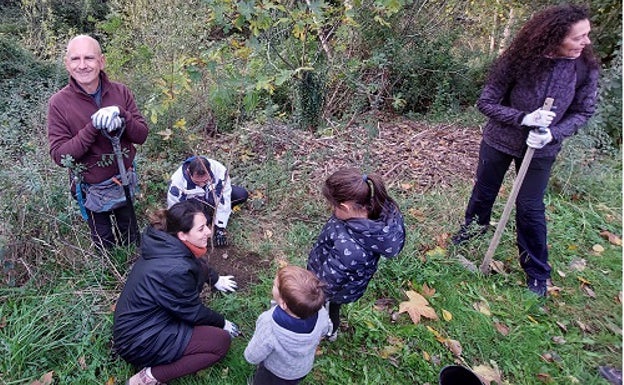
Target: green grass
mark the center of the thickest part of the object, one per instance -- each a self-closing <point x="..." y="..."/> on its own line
<point x="63" y="324"/>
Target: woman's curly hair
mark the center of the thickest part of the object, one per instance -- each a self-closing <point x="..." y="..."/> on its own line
<point x="539" y="39"/>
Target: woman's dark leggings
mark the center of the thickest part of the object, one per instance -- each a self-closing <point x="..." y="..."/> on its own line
<point x="530" y="211"/>
<point x="208" y="345"/>
<point x="334" y="315"/>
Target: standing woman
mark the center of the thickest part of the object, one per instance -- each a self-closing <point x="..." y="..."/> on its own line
<point x="551" y="57"/>
<point x="160" y="323"/>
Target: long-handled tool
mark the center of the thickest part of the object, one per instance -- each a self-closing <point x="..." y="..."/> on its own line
<point x="115" y="138"/>
<point x="528" y="155"/>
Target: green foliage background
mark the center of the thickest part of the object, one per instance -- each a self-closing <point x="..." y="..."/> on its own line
<point x="210" y="66"/>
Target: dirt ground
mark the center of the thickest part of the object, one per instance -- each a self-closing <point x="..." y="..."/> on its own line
<point x="424" y="156"/>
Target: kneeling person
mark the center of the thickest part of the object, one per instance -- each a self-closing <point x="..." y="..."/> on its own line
<point x="208" y="181"/>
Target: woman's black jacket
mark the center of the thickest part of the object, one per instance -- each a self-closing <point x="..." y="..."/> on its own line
<point x="160" y="303"/>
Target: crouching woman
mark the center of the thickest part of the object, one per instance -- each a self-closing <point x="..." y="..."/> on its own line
<point x="160" y="323"/>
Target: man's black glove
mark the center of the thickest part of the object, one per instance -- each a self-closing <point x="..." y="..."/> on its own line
<point x="220" y="237"/>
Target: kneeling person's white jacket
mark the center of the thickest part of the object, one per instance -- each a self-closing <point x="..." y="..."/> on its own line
<point x="182" y="188"/>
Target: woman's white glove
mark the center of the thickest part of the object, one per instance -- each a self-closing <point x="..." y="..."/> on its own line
<point x="539" y="138"/>
<point x="231" y="328"/>
<point x="538" y="118"/>
<point x="226" y="283"/>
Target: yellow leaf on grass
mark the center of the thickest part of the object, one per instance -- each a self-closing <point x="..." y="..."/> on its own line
<point x="416" y="307"/>
<point x="180" y="123"/>
<point x="447" y="315"/>
<point x="111" y="381"/>
<point x="436" y="252"/>
<point x="426" y="356"/>
<point x="388" y="351"/>
<point x="482" y="307"/>
<point x="583" y="280"/>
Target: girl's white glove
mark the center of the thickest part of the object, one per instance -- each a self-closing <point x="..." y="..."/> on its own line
<point x="226" y="283"/>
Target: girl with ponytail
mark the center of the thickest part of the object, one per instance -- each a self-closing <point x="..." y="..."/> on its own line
<point x="366" y="223"/>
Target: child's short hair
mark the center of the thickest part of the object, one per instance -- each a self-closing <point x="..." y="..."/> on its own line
<point x="301" y="290"/>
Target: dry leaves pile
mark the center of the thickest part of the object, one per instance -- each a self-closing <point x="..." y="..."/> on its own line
<point x="399" y="150"/>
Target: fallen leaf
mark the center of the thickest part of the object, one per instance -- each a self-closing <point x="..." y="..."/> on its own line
<point x="406" y="186"/>
<point x="111" y="380"/>
<point x="46" y="379"/>
<point x="588" y="290"/>
<point x="612" y="238"/>
<point x="498" y="267"/>
<point x="561" y="273"/>
<point x="482" y="307"/>
<point x="502" y="328"/>
<point x="532" y="319"/>
<point x="388" y="351"/>
<point x="562" y="326"/>
<point x="434" y="332"/>
<point x="268" y="234"/>
<point x="552" y="289"/>
<point x="82" y="362"/>
<point x="578" y="264"/>
<point x="614" y="328"/>
<point x="598" y="249"/>
<point x="585" y="328"/>
<point x="426" y="356"/>
<point x="3" y="321"/>
<point x="416" y="213"/>
<point x="442" y="239"/>
<point x="551" y="356"/>
<point x="544" y="377"/>
<point x="384" y="304"/>
<point x="454" y="346"/>
<point x="468" y="265"/>
<point x="436" y="252"/>
<point x="573" y="380"/>
<point x="416" y="307"/>
<point x="447" y="315"/>
<point x="428" y="291"/>
<point x="488" y="373"/>
<point x="583" y="280"/>
<point x="559" y="340"/>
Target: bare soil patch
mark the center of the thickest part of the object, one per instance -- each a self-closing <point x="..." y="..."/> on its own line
<point x="242" y="264"/>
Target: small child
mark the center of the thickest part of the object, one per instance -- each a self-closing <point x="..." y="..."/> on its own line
<point x="366" y="224"/>
<point x="286" y="336"/>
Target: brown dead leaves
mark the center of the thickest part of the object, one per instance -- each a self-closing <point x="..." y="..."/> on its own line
<point x="46" y="379"/>
<point x="416" y="307"/>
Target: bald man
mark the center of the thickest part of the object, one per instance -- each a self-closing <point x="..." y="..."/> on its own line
<point x="79" y="116"/>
